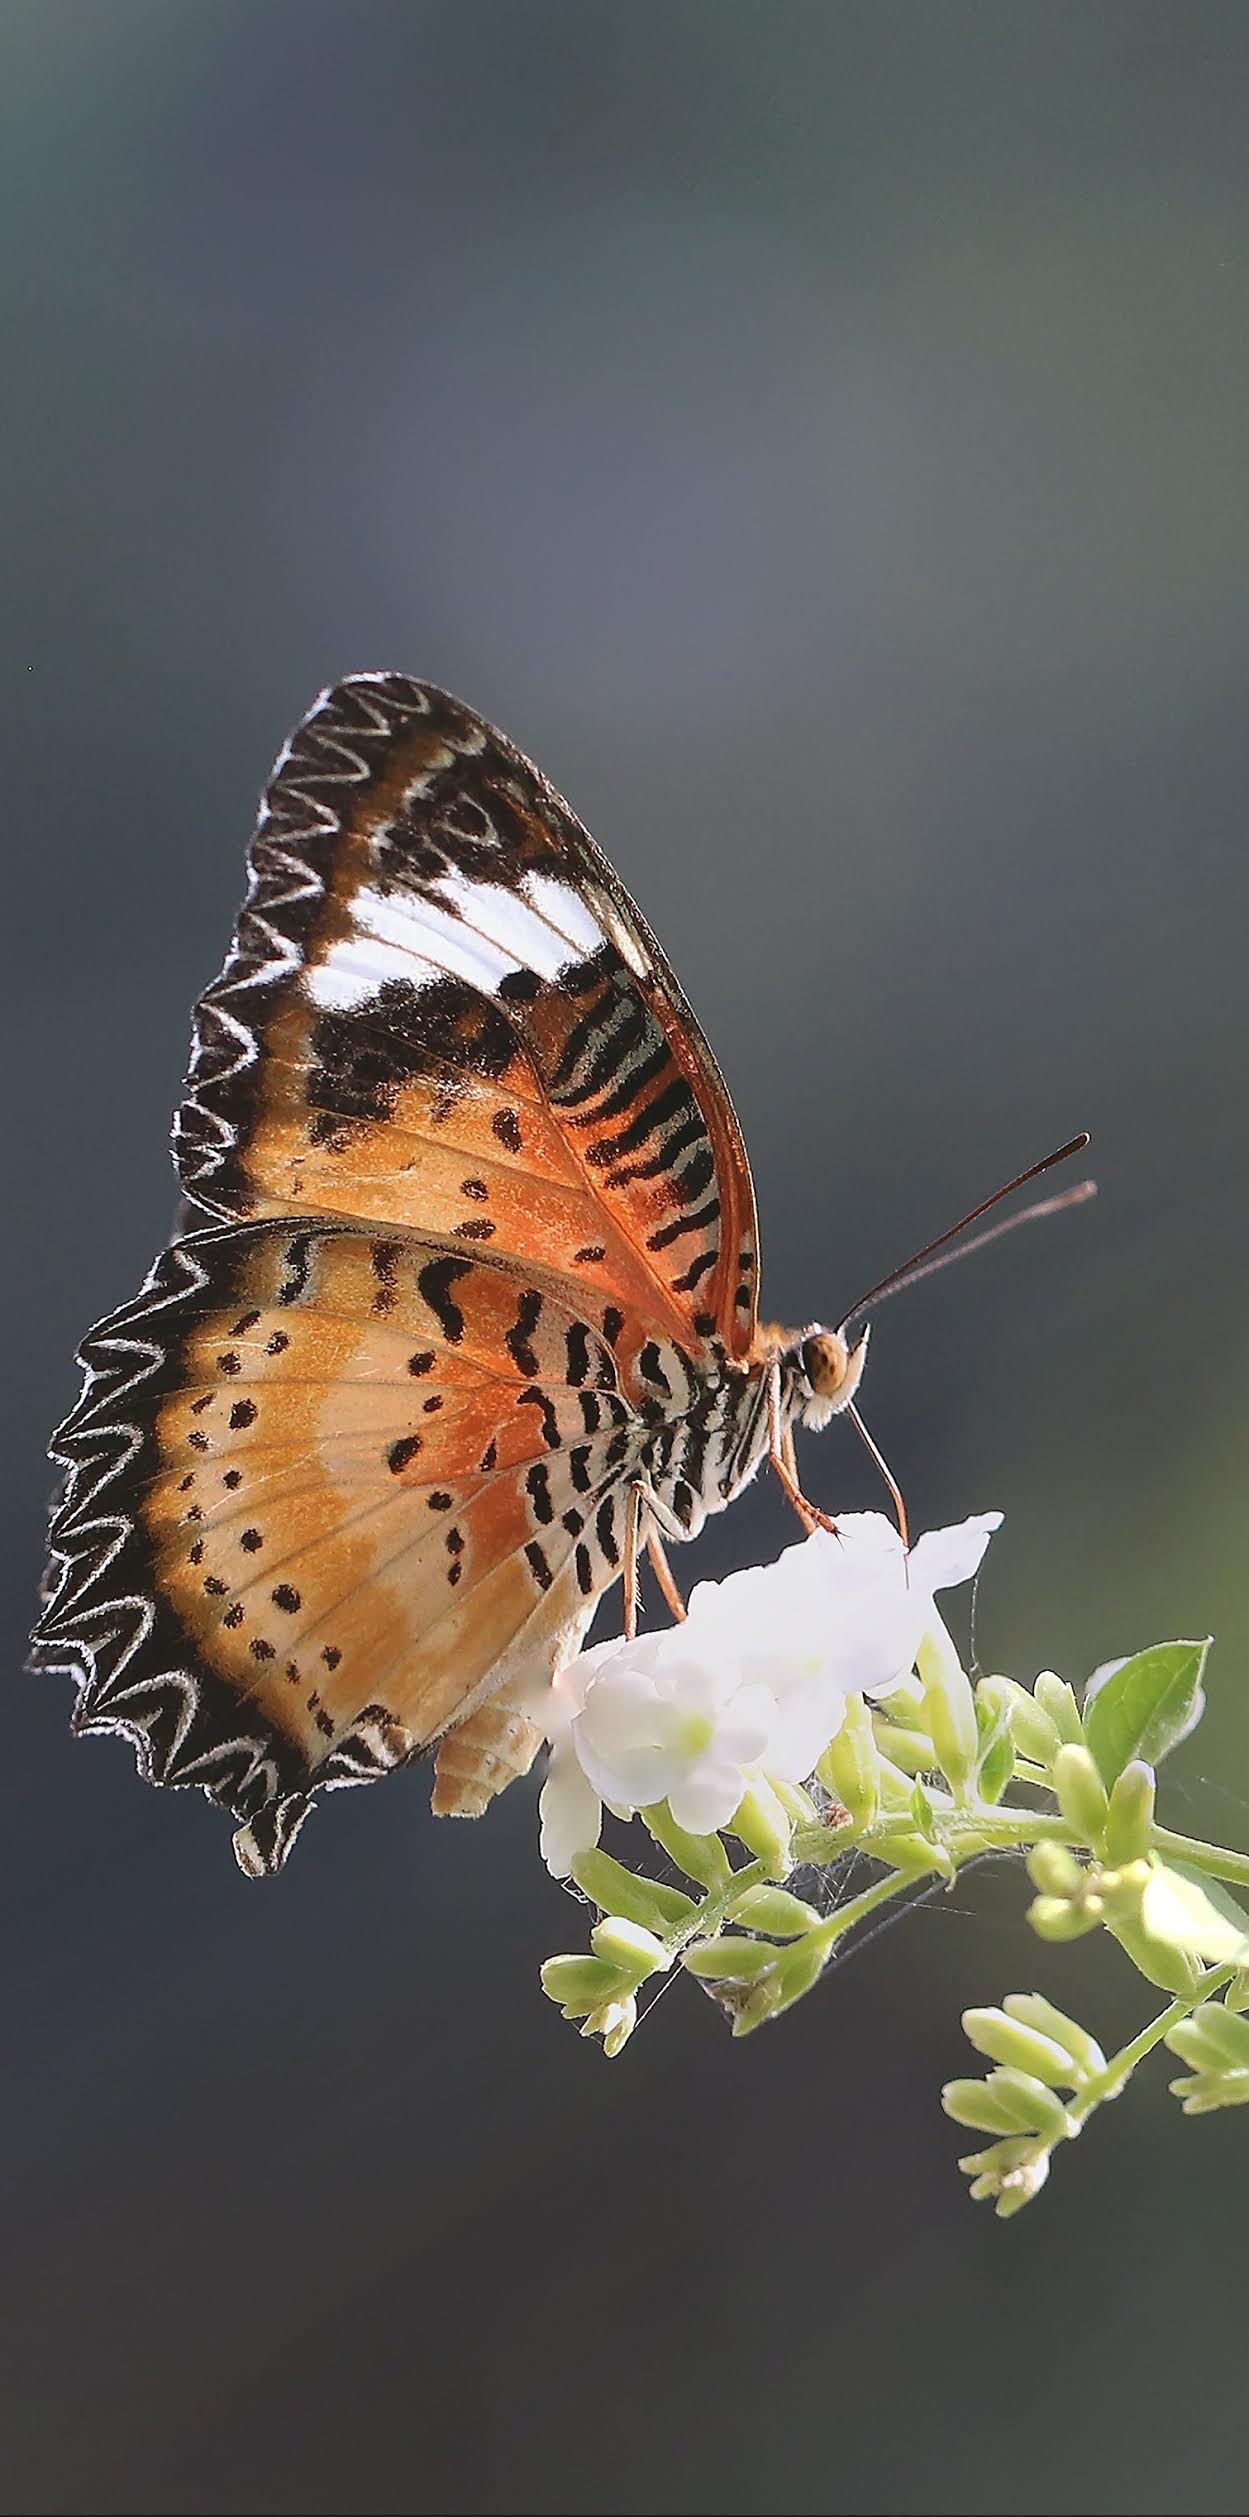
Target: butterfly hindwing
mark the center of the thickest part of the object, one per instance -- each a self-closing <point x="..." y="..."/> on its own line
<point x="326" y="1489"/>
<point x="442" y="1010"/>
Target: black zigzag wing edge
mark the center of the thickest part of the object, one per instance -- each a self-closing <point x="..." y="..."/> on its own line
<point x="333" y="755"/>
<point x="104" y="1624"/>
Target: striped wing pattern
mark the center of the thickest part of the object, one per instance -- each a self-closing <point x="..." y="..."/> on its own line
<point x="441" y="1007"/>
<point x="358" y="1456"/>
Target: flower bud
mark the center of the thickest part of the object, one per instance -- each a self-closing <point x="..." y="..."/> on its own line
<point x="615" y="2023"/>
<point x="850" y="1765"/>
<point x="974" y="2103"/>
<point x="579" y="1985"/>
<point x="729" y="1954"/>
<point x="1034" y="2011"/>
<point x="773" y="1910"/>
<point x="1236" y="1996"/>
<point x="911" y="1750"/>
<point x="912" y="1853"/>
<point x="1211" y="2089"/>
<point x="1057" y="1700"/>
<point x="1037" y="2108"/>
<point x="1056" y="1918"/>
<point x="949" y="1704"/>
<point x="636" y="1952"/>
<point x="1130" y="1814"/>
<point x="792" y="1974"/>
<point x="1008" y="2175"/>
<point x="762" y="1826"/>
<point x="1081" y="1792"/>
<point x="1034" y="1734"/>
<point x="1212" y="2039"/>
<point x="1053" y="1869"/>
<point x="1014" y="2041"/>
<point x="647" y="1901"/>
<point x="701" y="1857"/>
<point x="995" y="1760"/>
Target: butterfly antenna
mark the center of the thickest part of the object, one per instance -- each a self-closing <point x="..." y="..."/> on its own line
<point x="925" y="1262"/>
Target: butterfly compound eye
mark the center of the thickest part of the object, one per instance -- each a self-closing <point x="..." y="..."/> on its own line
<point x="826" y="1362"/>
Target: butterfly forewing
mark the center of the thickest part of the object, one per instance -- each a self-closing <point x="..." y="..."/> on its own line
<point x="441" y="1009"/>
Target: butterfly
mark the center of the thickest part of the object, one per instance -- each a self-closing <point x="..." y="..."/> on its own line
<point x="469" y="1317"/>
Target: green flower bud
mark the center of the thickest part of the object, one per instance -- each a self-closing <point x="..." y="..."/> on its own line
<point x="995" y="1763"/>
<point x="1008" y="2175"/>
<point x="796" y="1803"/>
<point x="949" y="1704"/>
<point x="701" y="1857"/>
<point x="773" y="1910"/>
<point x="762" y="1825"/>
<point x="1210" y="2090"/>
<point x="1056" y="1918"/>
<point x="636" y="1952"/>
<point x="579" y="1985"/>
<point x="896" y="1788"/>
<point x="911" y="1751"/>
<point x="1058" y="1701"/>
<point x="912" y="1853"/>
<point x="974" y="2103"/>
<point x="1032" y="1731"/>
<point x="792" y="1974"/>
<point x="1212" y="2039"/>
<point x="850" y="1765"/>
<point x="1053" y="1869"/>
<point x="647" y="1901"/>
<point x="1012" y="2040"/>
<point x="1034" y="2011"/>
<point x="1081" y="1792"/>
<point x="1036" y="2108"/>
<point x="730" y="1954"/>
<point x="615" y="2023"/>
<point x="1130" y="1814"/>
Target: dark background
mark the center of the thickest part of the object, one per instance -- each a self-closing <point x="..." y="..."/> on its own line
<point x="817" y="433"/>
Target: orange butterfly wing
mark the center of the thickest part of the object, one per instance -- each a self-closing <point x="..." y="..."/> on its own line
<point x="442" y="1009"/>
<point x="359" y="1458"/>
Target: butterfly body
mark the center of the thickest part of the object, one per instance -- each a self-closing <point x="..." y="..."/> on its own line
<point x="472" y="1305"/>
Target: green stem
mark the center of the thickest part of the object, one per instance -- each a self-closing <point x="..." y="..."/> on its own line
<point x="1213" y="1858"/>
<point x="826" y="1935"/>
<point x="1108" y="2083"/>
<point x="707" y="1917"/>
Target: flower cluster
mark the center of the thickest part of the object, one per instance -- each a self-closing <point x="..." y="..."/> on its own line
<point x="752" y="1688"/>
<point x="818" y="1706"/>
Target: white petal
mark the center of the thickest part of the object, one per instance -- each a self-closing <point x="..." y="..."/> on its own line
<point x="943" y="1557"/>
<point x="807" y="1718"/>
<point x="707" y="1797"/>
<point x="629" y="1778"/>
<point x="570" y="1812"/>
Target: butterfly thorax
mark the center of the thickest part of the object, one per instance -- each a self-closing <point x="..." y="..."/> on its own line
<point x="710" y="1430"/>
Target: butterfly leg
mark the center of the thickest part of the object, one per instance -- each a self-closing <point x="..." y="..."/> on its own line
<point x="664" y="1574"/>
<point x="782" y="1455"/>
<point x="632" y="1542"/>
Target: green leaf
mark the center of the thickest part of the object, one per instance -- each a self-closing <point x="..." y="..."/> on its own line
<point x="1145" y="1706"/>
<point x="1220" y="1898"/>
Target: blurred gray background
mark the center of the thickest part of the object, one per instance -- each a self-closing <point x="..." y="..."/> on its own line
<point x="817" y="434"/>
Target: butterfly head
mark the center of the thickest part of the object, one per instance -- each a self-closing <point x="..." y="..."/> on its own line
<point x="829" y="1372"/>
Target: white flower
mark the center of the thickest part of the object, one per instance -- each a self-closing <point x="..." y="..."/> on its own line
<point x="753" y="1684"/>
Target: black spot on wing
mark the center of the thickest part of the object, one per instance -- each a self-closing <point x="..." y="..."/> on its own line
<point x="435" y="1281"/>
<point x="517" y="1340"/>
